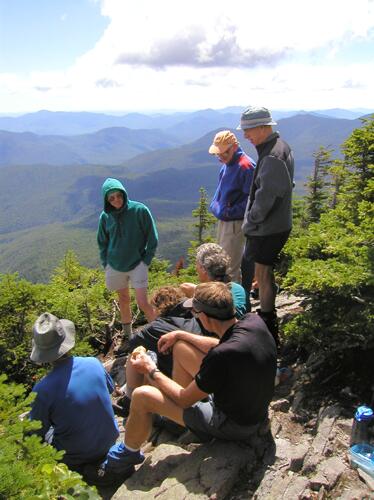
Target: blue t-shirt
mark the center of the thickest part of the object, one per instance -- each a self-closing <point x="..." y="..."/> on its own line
<point x="74" y="398"/>
<point x="240" y="298"/>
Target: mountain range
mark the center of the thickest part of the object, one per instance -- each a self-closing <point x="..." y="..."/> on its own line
<point x="149" y="150"/>
<point x="50" y="185"/>
<point x="192" y="124"/>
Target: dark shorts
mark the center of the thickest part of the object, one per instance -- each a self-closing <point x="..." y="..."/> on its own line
<point x="265" y="249"/>
<point x="206" y="421"/>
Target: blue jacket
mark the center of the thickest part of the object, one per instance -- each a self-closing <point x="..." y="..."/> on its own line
<point x="74" y="399"/>
<point x="235" y="179"/>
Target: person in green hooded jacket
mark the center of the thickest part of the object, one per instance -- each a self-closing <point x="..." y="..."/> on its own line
<point x="127" y="239"/>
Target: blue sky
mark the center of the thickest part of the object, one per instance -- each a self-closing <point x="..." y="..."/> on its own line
<point x="121" y="55"/>
<point x="42" y="35"/>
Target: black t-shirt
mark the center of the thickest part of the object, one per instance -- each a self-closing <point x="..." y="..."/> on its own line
<point x="240" y="371"/>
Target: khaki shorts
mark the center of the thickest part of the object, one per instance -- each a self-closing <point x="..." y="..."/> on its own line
<point x="117" y="280"/>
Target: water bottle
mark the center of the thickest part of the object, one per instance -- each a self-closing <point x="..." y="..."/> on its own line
<point x="153" y="356"/>
<point x="361" y="423"/>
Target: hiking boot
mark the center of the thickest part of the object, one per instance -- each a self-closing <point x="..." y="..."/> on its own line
<point x="124" y="403"/>
<point x="123" y="348"/>
<point x="282" y="375"/>
<point x="271" y="321"/>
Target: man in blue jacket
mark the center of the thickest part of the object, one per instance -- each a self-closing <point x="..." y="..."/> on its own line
<point x="73" y="400"/>
<point x="230" y="199"/>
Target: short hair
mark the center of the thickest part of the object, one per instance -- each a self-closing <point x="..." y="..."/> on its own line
<point x="214" y="260"/>
<point x="215" y="300"/>
<point x="166" y="298"/>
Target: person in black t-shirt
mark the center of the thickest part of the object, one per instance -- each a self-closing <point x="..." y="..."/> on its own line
<point x="234" y="376"/>
<point x="168" y="302"/>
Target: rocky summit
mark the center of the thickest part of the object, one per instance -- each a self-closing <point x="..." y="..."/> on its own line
<point x="302" y="454"/>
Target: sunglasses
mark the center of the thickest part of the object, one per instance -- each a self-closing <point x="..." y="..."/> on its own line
<point x="225" y="153"/>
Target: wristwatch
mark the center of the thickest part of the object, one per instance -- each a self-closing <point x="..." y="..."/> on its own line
<point x="152" y="373"/>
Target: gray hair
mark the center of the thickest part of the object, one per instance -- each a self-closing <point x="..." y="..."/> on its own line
<point x="214" y="260"/>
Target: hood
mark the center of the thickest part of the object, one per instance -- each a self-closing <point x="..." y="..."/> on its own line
<point x="108" y="185"/>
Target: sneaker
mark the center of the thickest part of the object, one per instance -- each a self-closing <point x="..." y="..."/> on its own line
<point x="95" y="475"/>
<point x="119" y="459"/>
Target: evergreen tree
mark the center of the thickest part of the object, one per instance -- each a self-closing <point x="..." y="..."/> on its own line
<point x="331" y="264"/>
<point x="336" y="172"/>
<point x="359" y="165"/>
<point x="315" y="199"/>
<point x="203" y="227"/>
<point x="28" y="468"/>
<point x="205" y="220"/>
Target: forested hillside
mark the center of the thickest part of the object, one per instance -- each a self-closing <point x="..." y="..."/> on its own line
<point x="57" y="205"/>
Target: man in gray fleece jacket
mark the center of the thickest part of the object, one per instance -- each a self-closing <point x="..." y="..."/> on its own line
<point x="268" y="217"/>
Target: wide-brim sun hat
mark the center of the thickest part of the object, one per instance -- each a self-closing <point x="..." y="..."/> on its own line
<point x="52" y="338"/>
<point x="255" y="117"/>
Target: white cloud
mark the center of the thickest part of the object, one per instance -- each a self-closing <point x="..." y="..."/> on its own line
<point x="216" y="33"/>
<point x="206" y="53"/>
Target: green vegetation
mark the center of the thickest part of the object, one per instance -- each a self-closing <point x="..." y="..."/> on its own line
<point x="34" y="253"/>
<point x="29" y="469"/>
<point x="331" y="263"/>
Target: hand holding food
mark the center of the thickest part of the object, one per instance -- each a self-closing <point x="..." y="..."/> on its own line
<point x="137" y="351"/>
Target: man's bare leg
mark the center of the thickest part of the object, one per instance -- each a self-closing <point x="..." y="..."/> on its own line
<point x="134" y="379"/>
<point x="265" y="279"/>
<point x="145" y="401"/>
<point x="144" y="305"/>
<point x="186" y="362"/>
<point x="124" y="305"/>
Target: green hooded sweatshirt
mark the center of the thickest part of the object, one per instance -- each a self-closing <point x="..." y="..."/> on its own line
<point x="125" y="236"/>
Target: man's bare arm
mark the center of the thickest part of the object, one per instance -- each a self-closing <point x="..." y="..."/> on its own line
<point x="183" y="397"/>
<point x="204" y="344"/>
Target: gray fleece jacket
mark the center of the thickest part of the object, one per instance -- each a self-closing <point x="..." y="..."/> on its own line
<point x="269" y="208"/>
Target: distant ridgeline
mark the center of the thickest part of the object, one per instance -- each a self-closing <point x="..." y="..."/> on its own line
<point x="58" y="178"/>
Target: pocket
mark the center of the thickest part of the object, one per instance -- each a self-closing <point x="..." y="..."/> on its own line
<point x="238" y="226"/>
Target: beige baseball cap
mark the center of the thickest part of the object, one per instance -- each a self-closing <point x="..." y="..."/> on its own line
<point x="222" y="141"/>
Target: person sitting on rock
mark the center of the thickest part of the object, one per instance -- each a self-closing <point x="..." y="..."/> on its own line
<point x="168" y="302"/>
<point x="212" y="264"/>
<point x="73" y="400"/>
<point x="221" y="388"/>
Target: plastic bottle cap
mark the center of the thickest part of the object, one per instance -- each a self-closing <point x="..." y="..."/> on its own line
<point x="364" y="413"/>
